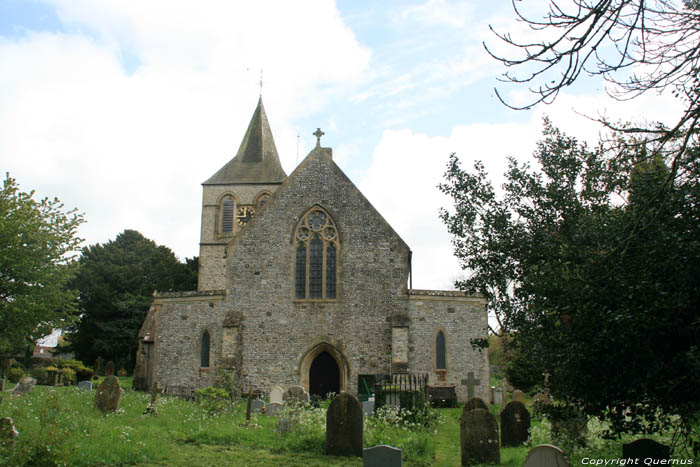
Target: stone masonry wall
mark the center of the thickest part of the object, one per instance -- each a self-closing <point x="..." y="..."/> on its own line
<point x="461" y="318"/>
<point x="278" y="330"/>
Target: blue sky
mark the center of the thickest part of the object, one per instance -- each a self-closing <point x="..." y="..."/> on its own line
<point x="122" y="109"/>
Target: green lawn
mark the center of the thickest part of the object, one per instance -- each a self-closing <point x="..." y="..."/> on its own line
<point x="60" y="424"/>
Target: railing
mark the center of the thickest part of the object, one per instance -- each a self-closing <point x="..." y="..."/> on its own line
<point x="406" y="391"/>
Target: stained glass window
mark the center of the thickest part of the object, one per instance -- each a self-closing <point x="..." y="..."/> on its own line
<point x="301" y="271"/>
<point x="316" y="256"/>
<point x="227" y="215"/>
<point x="205" y="350"/>
<point x="440" y="351"/>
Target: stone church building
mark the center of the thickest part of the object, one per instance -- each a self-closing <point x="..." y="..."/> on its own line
<point x="303" y="282"/>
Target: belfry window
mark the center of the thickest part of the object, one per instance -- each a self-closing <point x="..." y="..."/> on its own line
<point x="227" y="209"/>
<point x="204" y="363"/>
<point x="316" y="242"/>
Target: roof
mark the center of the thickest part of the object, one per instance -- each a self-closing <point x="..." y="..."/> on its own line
<point x="257" y="160"/>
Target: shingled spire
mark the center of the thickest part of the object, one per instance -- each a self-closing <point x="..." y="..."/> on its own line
<point x="257" y="160"/>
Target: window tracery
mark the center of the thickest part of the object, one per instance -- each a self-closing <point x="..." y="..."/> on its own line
<point x="316" y="241"/>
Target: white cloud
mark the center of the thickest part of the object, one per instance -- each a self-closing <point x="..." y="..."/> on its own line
<point x="130" y="145"/>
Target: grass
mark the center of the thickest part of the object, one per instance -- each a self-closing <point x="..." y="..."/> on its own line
<point x="59" y="426"/>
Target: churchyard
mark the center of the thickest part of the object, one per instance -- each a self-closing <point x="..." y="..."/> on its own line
<point x="64" y="425"/>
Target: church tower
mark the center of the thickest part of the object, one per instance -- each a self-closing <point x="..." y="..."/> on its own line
<point x="233" y="194"/>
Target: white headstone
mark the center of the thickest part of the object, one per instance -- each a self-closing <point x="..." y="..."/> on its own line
<point x="381" y="456"/>
<point x="276" y="394"/>
<point x="368" y="408"/>
<point x="546" y="455"/>
<point x="85" y="385"/>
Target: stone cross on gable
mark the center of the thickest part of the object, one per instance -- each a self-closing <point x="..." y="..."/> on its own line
<point x="470" y="383"/>
<point x="318" y="133"/>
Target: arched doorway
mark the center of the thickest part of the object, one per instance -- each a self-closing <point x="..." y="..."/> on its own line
<point x="324" y="375"/>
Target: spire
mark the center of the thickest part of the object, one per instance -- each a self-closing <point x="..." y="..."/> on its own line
<point x="257" y="160"/>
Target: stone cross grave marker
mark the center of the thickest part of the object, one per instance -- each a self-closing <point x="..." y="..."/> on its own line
<point x="344" y="426"/>
<point x="518" y="396"/>
<point x="24" y="386"/>
<point x="470" y="382"/>
<point x="546" y="455"/>
<point x="248" y="407"/>
<point x="296" y="395"/>
<point x="85" y="385"/>
<point x="108" y="394"/>
<point x="8" y="433"/>
<point x="645" y="448"/>
<point x="479" y="437"/>
<point x="274" y="409"/>
<point x="257" y="406"/>
<point x="515" y="424"/>
<point x="381" y="456"/>
<point x="368" y="408"/>
<point x="276" y="394"/>
<point x="475" y="403"/>
<point x="152" y="408"/>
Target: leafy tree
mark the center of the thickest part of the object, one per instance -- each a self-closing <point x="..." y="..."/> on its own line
<point x="637" y="46"/>
<point x="38" y="240"/>
<point x="116" y="283"/>
<point x="592" y="262"/>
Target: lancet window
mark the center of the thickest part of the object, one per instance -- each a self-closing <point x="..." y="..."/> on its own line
<point x="316" y="241"/>
<point x="204" y="361"/>
<point x="227" y="214"/>
<point x="440" y="351"/>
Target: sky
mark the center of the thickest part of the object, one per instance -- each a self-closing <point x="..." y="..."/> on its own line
<point x="123" y="108"/>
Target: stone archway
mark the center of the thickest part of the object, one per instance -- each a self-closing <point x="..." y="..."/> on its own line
<point x="322" y="369"/>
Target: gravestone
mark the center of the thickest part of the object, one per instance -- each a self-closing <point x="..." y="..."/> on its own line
<point x="274" y="409"/>
<point x="518" y="396"/>
<point x="109" y="368"/>
<point x="368" y="408"/>
<point x="276" y="394"/>
<point x="515" y="424"/>
<point x="475" y="403"/>
<point x="381" y="456"/>
<point x="546" y="455"/>
<point x="85" y="385"/>
<point x="442" y="396"/>
<point x="257" y="406"/>
<point x="344" y="426"/>
<point x="108" y="394"/>
<point x="296" y="395"/>
<point x="8" y="433"/>
<point x="152" y="408"/>
<point x="645" y="448"/>
<point x="24" y="386"/>
<point x="498" y="398"/>
<point x="479" y="437"/>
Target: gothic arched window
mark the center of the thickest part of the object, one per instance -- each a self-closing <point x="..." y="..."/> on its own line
<point x="440" y="351"/>
<point x="316" y="241"/>
<point x="227" y="210"/>
<point x="204" y="363"/>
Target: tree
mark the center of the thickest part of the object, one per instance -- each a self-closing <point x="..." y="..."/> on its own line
<point x="38" y="241"/>
<point x="116" y="284"/>
<point x="594" y="270"/>
<point x="637" y="46"/>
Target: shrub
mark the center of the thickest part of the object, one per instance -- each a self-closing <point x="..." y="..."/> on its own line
<point x="84" y="373"/>
<point x="68" y="376"/>
<point x="213" y="400"/>
<point x="15" y="374"/>
<point x="42" y="375"/>
<point x="121" y="372"/>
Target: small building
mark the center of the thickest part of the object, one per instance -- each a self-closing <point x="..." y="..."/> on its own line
<point x="302" y="281"/>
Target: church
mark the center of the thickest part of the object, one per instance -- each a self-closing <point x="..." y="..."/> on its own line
<point x="303" y="282"/>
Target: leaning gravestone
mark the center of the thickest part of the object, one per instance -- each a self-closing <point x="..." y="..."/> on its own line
<point x="515" y="424"/>
<point x="344" y="426"/>
<point x="8" y="433"/>
<point x="24" y="386"/>
<point x="85" y="385"/>
<point x="381" y="456"/>
<point x="108" y="395"/>
<point x="257" y="406"/>
<point x="475" y="403"/>
<point x="546" y="455"/>
<point x="645" y="448"/>
<point x="518" y="396"/>
<point x="479" y="437"/>
<point x="274" y="409"/>
<point x="277" y="394"/>
<point x="296" y="395"/>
